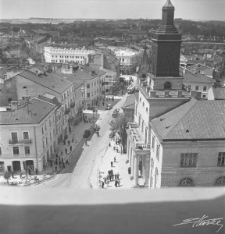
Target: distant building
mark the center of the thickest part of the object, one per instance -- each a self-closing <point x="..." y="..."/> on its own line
<point x="129" y="107"/>
<point x="65" y="55"/>
<point x="197" y="82"/>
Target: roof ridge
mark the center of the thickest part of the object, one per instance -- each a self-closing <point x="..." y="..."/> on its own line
<point x="184" y="113"/>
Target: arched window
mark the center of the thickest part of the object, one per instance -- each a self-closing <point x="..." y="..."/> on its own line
<point x="167" y="85"/>
<point x="220" y="181"/>
<point x="186" y="182"/>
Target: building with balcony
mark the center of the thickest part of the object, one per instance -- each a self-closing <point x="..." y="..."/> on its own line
<point x="160" y="90"/>
<point x="65" y="55"/>
<point x="27" y="135"/>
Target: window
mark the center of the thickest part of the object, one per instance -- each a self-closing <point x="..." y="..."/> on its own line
<point x="88" y="95"/>
<point x="221" y="159"/>
<point x="25" y="135"/>
<point x="88" y="86"/>
<point x="153" y="143"/>
<point x="167" y="85"/>
<point x="188" y="160"/>
<point x="186" y="182"/>
<point x="196" y="88"/>
<point x="204" y="88"/>
<point x="157" y="151"/>
<point x="14" y="137"/>
<point x="15" y="150"/>
<point x="27" y="149"/>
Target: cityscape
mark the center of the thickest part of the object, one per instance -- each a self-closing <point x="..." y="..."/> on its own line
<point x="110" y="125"/>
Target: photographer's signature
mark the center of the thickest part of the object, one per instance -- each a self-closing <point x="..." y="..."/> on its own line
<point x="203" y="221"/>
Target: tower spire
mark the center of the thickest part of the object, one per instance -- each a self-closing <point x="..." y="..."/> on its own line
<point x="168" y="4"/>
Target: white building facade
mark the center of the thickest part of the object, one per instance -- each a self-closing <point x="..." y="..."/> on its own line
<point x="64" y="55"/>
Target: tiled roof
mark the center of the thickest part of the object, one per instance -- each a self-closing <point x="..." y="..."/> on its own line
<point x="192" y="121"/>
<point x="197" y="78"/>
<point x="34" y="113"/>
<point x="51" y="80"/>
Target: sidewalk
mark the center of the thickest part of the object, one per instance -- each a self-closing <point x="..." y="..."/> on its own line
<point x="120" y="166"/>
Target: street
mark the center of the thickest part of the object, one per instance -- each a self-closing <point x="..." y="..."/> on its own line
<point x="82" y="173"/>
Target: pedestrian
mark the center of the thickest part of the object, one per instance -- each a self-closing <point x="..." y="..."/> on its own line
<point x="66" y="150"/>
<point x="114" y="159"/>
<point x="103" y="184"/>
<point x="116" y="183"/>
<point x="64" y="166"/>
<point x="118" y="175"/>
<point x="111" y="163"/>
<point x="117" y="150"/>
<point x="13" y="175"/>
<point x="71" y="148"/>
<point x="109" y="144"/>
<point x="67" y="162"/>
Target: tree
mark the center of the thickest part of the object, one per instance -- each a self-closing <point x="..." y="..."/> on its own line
<point x="119" y="124"/>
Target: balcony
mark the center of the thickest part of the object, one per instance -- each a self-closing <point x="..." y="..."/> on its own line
<point x="22" y="141"/>
<point x="142" y="149"/>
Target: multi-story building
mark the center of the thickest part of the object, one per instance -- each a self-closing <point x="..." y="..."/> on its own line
<point x="160" y="91"/>
<point x="188" y="146"/>
<point x="108" y="79"/>
<point x="41" y="81"/>
<point x="27" y="135"/>
<point x="197" y="82"/>
<point x="90" y="80"/>
<point x="64" y="55"/>
<point x="128" y="58"/>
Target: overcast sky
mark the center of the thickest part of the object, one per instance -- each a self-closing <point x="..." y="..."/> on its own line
<point x="111" y="9"/>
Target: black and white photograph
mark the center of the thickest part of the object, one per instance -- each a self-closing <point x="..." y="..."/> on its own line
<point x="112" y="116"/>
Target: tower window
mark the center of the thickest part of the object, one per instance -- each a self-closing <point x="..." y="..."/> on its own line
<point x="167" y="85"/>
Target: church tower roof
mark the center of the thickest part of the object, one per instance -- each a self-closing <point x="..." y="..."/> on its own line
<point x="168" y="4"/>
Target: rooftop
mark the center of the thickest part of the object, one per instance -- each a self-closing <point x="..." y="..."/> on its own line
<point x="130" y="101"/>
<point x="197" y="78"/>
<point x="219" y="93"/>
<point x="32" y="113"/>
<point x="49" y="80"/>
<point x="194" y="120"/>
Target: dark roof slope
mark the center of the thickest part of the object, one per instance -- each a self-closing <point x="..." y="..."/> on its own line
<point x="191" y="121"/>
<point x="34" y="113"/>
<point x="50" y="80"/>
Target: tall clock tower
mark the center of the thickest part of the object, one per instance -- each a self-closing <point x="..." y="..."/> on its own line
<point x="166" y="46"/>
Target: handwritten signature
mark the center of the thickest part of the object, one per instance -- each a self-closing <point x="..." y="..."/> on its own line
<point x="203" y="221"/>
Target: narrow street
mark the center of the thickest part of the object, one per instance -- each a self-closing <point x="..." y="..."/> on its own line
<point x="82" y="173"/>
